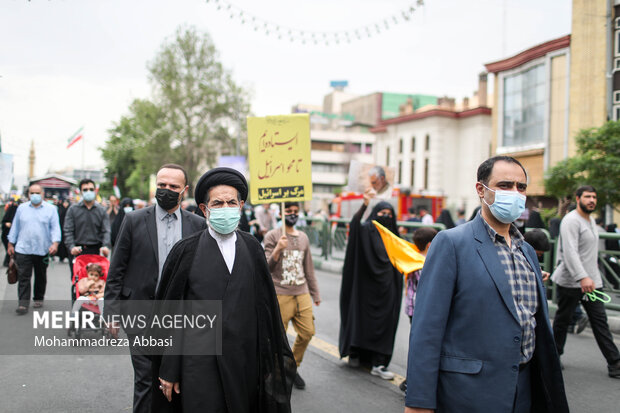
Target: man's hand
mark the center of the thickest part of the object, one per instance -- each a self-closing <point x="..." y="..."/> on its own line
<point x="105" y="251"/>
<point x="587" y="285"/>
<point x="416" y="410"/>
<point x="545" y="276"/>
<point x="7" y="224"/>
<point x="76" y="251"/>
<point x="53" y="249"/>
<point x="166" y="387"/>
<point x="10" y="249"/>
<point x="368" y="195"/>
<point x="282" y="243"/>
<point x="113" y="329"/>
<point x="317" y="303"/>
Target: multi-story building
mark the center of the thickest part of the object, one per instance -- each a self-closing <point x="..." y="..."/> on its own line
<point x="546" y="94"/>
<point x="531" y="109"/>
<point x="436" y="149"/>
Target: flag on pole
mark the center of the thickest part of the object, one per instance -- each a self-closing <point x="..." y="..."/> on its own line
<point x="75" y="137"/>
<point x="117" y="192"/>
<point x="403" y="254"/>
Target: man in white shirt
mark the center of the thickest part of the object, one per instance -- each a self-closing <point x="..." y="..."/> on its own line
<point x="427" y="219"/>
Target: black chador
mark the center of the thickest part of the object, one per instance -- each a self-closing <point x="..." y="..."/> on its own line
<point x="255" y="370"/>
<point x="371" y="291"/>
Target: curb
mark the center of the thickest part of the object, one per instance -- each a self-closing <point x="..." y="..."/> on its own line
<point x="335" y="267"/>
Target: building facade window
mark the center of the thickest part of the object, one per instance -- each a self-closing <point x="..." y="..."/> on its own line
<point x="400" y="145"/>
<point x="427" y="143"/>
<point x="412" y="144"/>
<point x="524" y="107"/>
<point x="387" y="156"/>
<point x="412" y="172"/>
<point x="400" y="171"/>
<point x="426" y="173"/>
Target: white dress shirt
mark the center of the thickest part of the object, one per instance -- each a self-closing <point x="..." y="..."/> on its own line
<point x="226" y="243"/>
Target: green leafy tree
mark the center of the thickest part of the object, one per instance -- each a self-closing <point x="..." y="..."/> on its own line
<point x="204" y="110"/>
<point x="597" y="163"/>
<point x="197" y="113"/>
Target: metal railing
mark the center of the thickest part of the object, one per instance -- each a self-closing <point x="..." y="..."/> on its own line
<point x="328" y="238"/>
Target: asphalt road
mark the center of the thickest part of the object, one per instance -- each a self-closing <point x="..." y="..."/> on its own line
<point x="83" y="383"/>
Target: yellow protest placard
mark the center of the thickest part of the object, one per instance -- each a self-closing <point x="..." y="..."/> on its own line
<point x="279" y="157"/>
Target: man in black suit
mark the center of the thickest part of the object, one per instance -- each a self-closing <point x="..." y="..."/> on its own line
<point x="146" y="237"/>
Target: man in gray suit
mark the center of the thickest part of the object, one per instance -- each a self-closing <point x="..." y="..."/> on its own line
<point x="146" y="237"/>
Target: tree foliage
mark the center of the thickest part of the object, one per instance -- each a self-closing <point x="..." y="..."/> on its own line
<point x="197" y="113"/>
<point x="597" y="163"/>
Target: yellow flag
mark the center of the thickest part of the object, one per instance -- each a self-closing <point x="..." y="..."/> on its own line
<point x="403" y="254"/>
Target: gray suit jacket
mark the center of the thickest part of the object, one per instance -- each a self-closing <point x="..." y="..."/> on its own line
<point x="134" y="268"/>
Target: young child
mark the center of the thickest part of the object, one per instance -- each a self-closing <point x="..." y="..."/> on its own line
<point x="422" y="238"/>
<point x="91" y="288"/>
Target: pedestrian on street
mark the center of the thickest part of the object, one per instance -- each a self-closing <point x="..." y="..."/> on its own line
<point x="7" y="219"/>
<point x="425" y="217"/>
<point x="256" y="368"/>
<point x="371" y="291"/>
<point x="480" y="339"/>
<point x="34" y="237"/>
<point x="578" y="278"/>
<point x="87" y="225"/>
<point x="126" y="206"/>
<point x="145" y="238"/>
<point x="290" y="263"/>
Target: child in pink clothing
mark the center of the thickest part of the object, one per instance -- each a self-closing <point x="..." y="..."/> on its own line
<point x="90" y="288"/>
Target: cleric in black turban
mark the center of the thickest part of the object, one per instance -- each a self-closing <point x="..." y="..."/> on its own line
<point x="221" y="176"/>
<point x="222" y="263"/>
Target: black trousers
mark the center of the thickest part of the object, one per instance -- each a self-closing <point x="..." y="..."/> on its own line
<point x="568" y="299"/>
<point x="25" y="265"/>
<point x="142" y="378"/>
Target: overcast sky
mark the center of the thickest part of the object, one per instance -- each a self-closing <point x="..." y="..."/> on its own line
<point x="71" y="63"/>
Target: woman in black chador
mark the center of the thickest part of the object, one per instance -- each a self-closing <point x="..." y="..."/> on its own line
<point x="371" y="291"/>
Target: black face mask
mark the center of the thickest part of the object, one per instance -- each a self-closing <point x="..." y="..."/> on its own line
<point x="291" y="219"/>
<point x="166" y="198"/>
<point x="385" y="221"/>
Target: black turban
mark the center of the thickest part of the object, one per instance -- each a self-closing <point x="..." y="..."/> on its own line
<point x="220" y="176"/>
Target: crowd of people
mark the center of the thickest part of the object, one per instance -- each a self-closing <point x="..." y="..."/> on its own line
<point x="481" y="337"/>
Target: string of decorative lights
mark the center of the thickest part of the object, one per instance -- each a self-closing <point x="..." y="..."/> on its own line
<point x="311" y="37"/>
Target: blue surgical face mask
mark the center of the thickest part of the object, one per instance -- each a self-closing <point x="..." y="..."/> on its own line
<point x="508" y="205"/>
<point x="224" y="220"/>
<point x="35" y="199"/>
<point x="88" y="196"/>
<point x="127" y="209"/>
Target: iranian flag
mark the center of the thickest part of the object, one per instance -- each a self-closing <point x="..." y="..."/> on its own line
<point x="117" y="191"/>
<point x="76" y="137"/>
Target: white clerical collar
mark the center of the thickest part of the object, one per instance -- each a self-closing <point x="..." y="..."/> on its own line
<point x="226" y="244"/>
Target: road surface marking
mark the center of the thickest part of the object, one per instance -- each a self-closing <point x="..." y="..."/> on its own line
<point x="332" y="350"/>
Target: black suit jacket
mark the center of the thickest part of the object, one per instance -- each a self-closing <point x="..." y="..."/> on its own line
<point x="134" y="267"/>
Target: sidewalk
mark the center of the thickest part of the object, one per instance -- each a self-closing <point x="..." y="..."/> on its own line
<point x="335" y="266"/>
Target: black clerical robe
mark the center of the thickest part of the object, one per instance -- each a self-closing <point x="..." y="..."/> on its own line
<point x="256" y="368"/>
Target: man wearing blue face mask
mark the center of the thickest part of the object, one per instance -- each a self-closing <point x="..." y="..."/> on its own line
<point x="257" y="367"/>
<point x="481" y="338"/>
<point x="87" y="226"/>
<point x="35" y="233"/>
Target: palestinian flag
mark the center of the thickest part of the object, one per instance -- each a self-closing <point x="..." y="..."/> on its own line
<point x="76" y="137"/>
